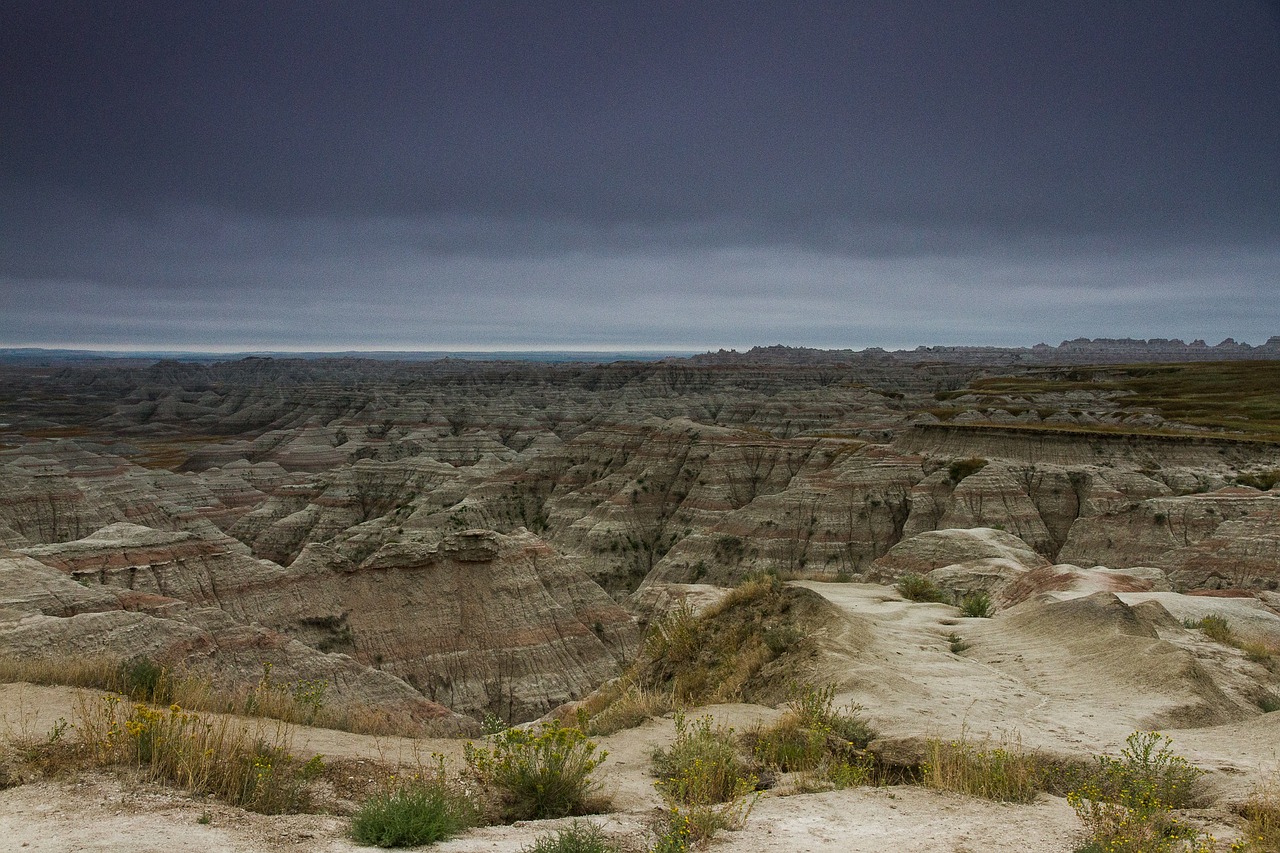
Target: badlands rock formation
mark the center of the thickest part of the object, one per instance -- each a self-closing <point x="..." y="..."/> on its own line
<point x="484" y="535"/>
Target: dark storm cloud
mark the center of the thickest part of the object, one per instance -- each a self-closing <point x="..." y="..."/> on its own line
<point x="687" y="173"/>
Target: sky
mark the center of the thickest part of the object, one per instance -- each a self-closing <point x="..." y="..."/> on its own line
<point x="637" y="175"/>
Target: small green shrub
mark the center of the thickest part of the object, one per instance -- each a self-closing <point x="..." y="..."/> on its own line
<point x="1148" y="768"/>
<point x="419" y="812"/>
<point x="581" y="836"/>
<point x="917" y="588"/>
<point x="976" y="605"/>
<point x="542" y="773"/>
<point x="1216" y="628"/>
<point x="680" y="829"/>
<point x="723" y="653"/>
<point x="816" y="736"/>
<point x="143" y="680"/>
<point x="673" y="832"/>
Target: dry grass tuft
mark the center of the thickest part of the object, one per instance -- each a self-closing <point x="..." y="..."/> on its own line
<point x="623" y="705"/>
<point x="1217" y="628"/>
<point x="1001" y="771"/>
<point x="733" y="650"/>
<point x="250" y="766"/>
<point x="1262" y="820"/>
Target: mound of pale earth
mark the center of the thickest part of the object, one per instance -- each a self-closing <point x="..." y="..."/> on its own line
<point x="1074" y="676"/>
<point x="935" y="549"/>
<point x="1067" y="581"/>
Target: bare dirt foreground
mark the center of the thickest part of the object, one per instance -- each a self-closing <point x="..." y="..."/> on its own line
<point x="1073" y="676"/>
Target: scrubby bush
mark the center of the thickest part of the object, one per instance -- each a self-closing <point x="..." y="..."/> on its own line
<point x="730" y="651"/>
<point x="538" y="773"/>
<point x="976" y="605"/>
<point x="814" y="737"/>
<point x="144" y="680"/>
<point x="417" y="812"/>
<point x="705" y="782"/>
<point x="917" y="588"/>
<point x="1148" y="768"/>
<point x="1217" y="628"/>
<point x="702" y="765"/>
<point x="1127" y="804"/>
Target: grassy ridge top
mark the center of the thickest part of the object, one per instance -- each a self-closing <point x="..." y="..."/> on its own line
<point x="1240" y="398"/>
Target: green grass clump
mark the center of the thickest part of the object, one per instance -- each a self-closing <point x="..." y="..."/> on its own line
<point x="538" y="773"/>
<point x="422" y="811"/>
<point x="581" y="836"/>
<point x="1001" y="771"/>
<point x="143" y="680"/>
<point x="976" y="605"/>
<point x="1127" y="804"/>
<point x="918" y="588"/>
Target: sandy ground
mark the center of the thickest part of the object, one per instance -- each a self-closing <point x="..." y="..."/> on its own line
<point x="891" y="657"/>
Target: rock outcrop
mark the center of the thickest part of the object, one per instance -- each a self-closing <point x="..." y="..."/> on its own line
<point x="46" y="614"/>
<point x="481" y="622"/>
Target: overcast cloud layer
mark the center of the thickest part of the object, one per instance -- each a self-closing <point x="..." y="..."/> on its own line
<point x="686" y="175"/>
